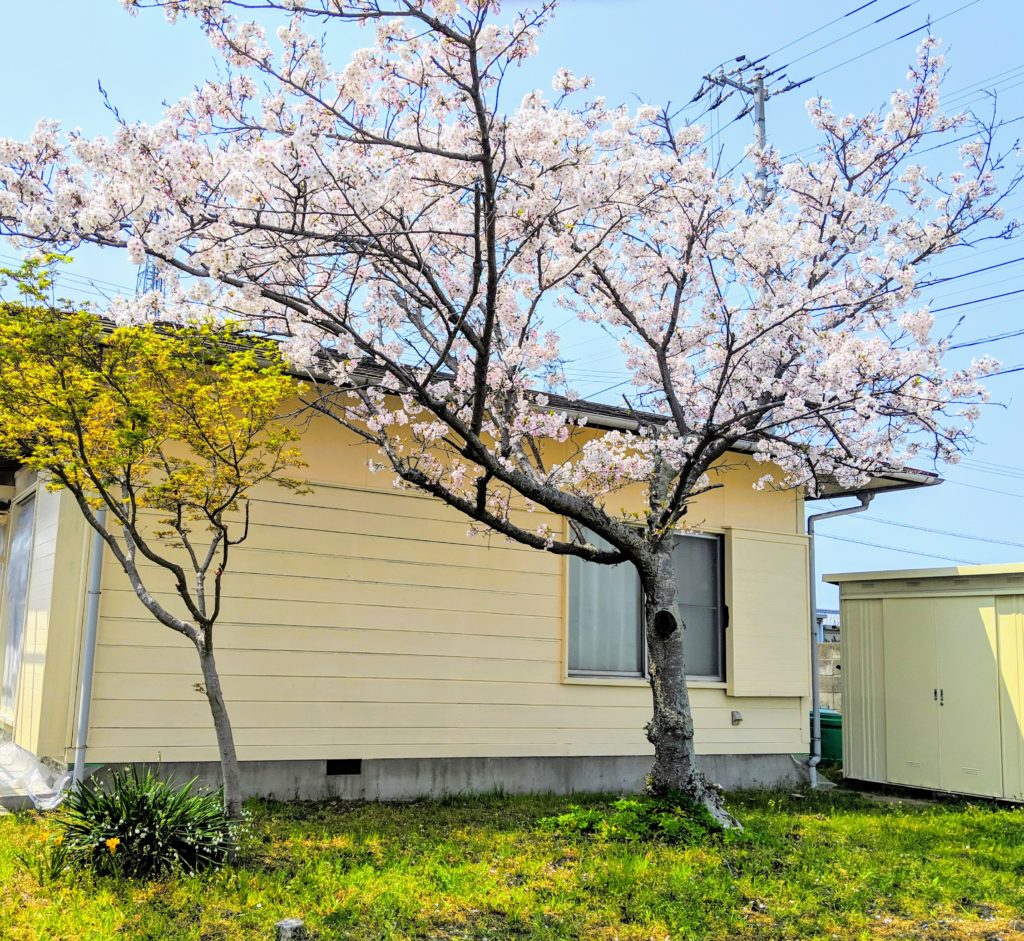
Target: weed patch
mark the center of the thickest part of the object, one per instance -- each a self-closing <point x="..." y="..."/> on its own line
<point x="819" y="866"/>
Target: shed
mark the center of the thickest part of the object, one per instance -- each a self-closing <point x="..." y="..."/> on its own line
<point x="933" y="678"/>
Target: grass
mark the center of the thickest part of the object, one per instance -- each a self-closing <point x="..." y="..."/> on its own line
<point x="819" y="866"/>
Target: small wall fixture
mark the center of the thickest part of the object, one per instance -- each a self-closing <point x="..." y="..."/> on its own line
<point x="737" y="717"/>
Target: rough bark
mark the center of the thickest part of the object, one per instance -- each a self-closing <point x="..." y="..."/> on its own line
<point x="225" y="737"/>
<point x="670" y="730"/>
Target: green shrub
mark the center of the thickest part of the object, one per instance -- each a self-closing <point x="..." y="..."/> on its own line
<point x="669" y="819"/>
<point x="140" y="826"/>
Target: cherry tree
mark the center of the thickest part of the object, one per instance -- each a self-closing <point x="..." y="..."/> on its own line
<point x="407" y="235"/>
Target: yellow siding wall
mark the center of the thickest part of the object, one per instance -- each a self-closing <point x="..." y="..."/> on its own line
<point x="55" y="595"/>
<point x="769" y="617"/>
<point x="67" y="610"/>
<point x="362" y="621"/>
<point x="37" y="620"/>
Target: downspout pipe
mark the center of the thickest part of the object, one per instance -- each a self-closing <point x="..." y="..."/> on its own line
<point x="815" y="759"/>
<point x="92" y="619"/>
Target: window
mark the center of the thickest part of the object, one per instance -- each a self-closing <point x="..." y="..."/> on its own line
<point x="605" y="616"/>
<point x="14" y="599"/>
<point x="606" y="634"/>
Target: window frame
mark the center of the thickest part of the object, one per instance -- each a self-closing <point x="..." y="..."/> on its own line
<point x="569" y="675"/>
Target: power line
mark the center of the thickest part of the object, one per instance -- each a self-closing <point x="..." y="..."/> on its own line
<point x="860" y="29"/>
<point x="1004" y="493"/>
<point x="958" y="140"/>
<point x="982" y="341"/>
<point x="972" y="89"/>
<point x="878" y="545"/>
<point x="964" y="274"/>
<point x="1004" y="372"/>
<point x="813" y="32"/>
<point x="925" y="25"/>
<point x="940" y="532"/>
<point x="979" y="300"/>
<point x="1007" y="473"/>
<point x="966" y="91"/>
<point x="956" y="259"/>
<point x="974" y="288"/>
<point x="625" y="382"/>
<point x="1007" y="467"/>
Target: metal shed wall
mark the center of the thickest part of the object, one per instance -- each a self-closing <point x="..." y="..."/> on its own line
<point x="933" y="678"/>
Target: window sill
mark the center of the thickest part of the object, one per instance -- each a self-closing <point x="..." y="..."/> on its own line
<point x="583" y="680"/>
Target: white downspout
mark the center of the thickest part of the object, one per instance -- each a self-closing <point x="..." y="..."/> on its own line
<point x="815" y="759"/>
<point x="92" y="617"/>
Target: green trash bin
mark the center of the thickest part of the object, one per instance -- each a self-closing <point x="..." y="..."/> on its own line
<point x="831" y="734"/>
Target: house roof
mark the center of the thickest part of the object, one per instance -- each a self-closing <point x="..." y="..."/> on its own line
<point x="616" y="417"/>
<point x="610" y="417"/>
<point x="600" y="415"/>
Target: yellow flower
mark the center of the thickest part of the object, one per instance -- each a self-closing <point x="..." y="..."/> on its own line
<point x="58" y="839"/>
<point x="113" y="843"/>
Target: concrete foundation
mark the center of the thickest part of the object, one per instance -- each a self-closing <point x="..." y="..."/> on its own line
<point x="411" y="778"/>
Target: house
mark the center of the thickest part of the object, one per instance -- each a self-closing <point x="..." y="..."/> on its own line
<point x="830" y="679"/>
<point x="370" y="647"/>
<point x="933" y="674"/>
<point x="828" y="625"/>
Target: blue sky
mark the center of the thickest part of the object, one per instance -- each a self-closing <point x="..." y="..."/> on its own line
<point x="55" y="51"/>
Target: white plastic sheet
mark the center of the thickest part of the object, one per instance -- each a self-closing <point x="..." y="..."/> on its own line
<point x="22" y="774"/>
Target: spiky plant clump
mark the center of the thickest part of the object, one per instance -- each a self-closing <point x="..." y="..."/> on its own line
<point x="139" y="826"/>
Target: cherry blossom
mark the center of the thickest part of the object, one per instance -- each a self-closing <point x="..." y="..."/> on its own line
<point x="407" y="233"/>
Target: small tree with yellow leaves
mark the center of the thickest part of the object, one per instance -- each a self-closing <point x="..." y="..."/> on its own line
<point x="159" y="434"/>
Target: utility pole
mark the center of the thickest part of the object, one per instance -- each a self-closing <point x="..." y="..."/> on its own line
<point x="756" y="90"/>
<point x="736" y="80"/>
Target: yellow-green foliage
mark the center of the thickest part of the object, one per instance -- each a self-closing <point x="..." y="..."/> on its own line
<point x="179" y="420"/>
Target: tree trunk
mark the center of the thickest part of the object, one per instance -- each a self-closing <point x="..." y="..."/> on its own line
<point x="670" y="730"/>
<point x="225" y="737"/>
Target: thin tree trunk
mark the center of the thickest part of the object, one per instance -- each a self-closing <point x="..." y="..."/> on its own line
<point x="670" y="730"/>
<point x="225" y="737"/>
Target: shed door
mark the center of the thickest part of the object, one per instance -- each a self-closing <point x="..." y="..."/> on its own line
<point x="911" y="709"/>
<point x="970" y="751"/>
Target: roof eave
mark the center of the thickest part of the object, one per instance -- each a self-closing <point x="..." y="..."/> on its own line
<point x="615" y="418"/>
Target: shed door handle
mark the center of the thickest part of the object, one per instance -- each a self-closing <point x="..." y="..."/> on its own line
<point x="942" y="695"/>
<point x="935" y="694"/>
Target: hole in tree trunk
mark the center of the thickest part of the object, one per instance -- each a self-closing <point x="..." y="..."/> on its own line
<point x="665" y="623"/>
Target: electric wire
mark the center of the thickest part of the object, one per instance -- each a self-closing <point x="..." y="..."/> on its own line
<point x="879" y="545"/>
<point x="939" y="532"/>
<point x="979" y="300"/>
<point x="926" y="25"/>
<point x="860" y="29"/>
<point x="984" y="341"/>
<point x="1004" y="493"/>
<point x="814" y="32"/>
<point x="1010" y="468"/>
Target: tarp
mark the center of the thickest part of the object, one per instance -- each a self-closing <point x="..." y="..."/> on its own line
<point x="22" y="775"/>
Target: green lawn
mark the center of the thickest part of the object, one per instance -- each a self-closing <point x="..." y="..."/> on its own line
<point x="824" y="866"/>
